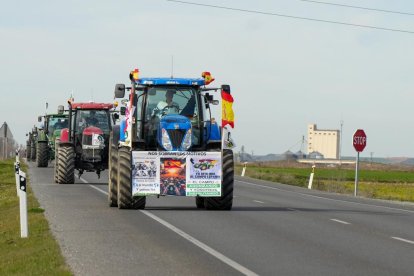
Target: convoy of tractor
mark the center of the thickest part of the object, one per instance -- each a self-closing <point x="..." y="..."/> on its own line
<point x="162" y="140"/>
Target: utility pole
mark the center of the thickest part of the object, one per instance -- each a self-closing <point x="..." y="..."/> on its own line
<point x="340" y="142"/>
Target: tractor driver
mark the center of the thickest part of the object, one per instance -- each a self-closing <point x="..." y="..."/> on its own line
<point x="91" y="120"/>
<point x="168" y="106"/>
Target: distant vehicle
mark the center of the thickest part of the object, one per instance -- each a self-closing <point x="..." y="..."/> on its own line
<point x="45" y="144"/>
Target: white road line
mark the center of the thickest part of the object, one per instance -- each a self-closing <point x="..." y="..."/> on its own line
<point x="321" y="197"/>
<point x="403" y="240"/>
<point x="191" y="239"/>
<point x="340" y="221"/>
<point x="99" y="190"/>
<point x="258" y="201"/>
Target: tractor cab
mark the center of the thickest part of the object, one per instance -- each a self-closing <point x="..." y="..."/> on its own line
<point x="170" y="115"/>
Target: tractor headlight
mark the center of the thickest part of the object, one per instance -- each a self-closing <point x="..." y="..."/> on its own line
<point x="187" y="140"/>
<point x="166" y="142"/>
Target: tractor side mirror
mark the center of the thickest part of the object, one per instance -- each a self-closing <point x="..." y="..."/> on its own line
<point x="122" y="110"/>
<point x="119" y="90"/>
<point x="39" y="119"/>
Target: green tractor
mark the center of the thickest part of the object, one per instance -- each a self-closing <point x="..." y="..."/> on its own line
<point x="45" y="144"/>
<point x="31" y="144"/>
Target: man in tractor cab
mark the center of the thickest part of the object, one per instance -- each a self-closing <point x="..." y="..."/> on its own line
<point x="91" y="120"/>
<point x="168" y="106"/>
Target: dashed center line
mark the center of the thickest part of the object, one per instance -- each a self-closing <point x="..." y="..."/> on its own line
<point x="340" y="221"/>
<point x="403" y="240"/>
<point x="258" y="201"/>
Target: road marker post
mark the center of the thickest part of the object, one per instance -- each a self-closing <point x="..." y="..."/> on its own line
<point x="16" y="170"/>
<point x="244" y="168"/>
<point x="311" y="177"/>
<point x="24" y="231"/>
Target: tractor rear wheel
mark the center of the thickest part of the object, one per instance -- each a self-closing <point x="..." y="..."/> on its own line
<point x="225" y="202"/>
<point x="33" y="151"/>
<point x="125" y="198"/>
<point x="42" y="156"/>
<point x="66" y="165"/>
<point x="113" y="174"/>
<point x="28" y="151"/>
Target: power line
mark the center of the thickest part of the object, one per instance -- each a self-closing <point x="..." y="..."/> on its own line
<point x="292" y="16"/>
<point x="356" y="7"/>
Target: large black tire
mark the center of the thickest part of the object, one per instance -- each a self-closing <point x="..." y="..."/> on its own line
<point x="200" y="202"/>
<point x="225" y="202"/>
<point x="42" y="154"/>
<point x="125" y="198"/>
<point x="33" y="151"/>
<point x="28" y="151"/>
<point x="56" y="170"/>
<point x="66" y="166"/>
<point x="113" y="173"/>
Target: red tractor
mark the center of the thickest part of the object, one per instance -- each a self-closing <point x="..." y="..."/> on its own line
<point x="84" y="144"/>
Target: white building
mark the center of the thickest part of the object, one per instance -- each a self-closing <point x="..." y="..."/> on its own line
<point x="323" y="141"/>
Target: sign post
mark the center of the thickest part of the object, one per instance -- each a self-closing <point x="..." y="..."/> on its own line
<point x="359" y="141"/>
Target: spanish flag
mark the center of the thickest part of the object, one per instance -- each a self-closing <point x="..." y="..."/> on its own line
<point x="227" y="116"/>
<point x="208" y="78"/>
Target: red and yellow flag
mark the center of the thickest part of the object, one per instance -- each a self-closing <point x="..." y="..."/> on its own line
<point x="208" y="78"/>
<point x="227" y="115"/>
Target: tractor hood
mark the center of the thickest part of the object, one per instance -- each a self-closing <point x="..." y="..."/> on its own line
<point x="174" y="133"/>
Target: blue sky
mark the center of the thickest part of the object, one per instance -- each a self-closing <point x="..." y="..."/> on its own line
<point x="285" y="73"/>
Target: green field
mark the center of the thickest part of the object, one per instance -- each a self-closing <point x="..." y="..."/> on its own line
<point x="39" y="254"/>
<point x="375" y="181"/>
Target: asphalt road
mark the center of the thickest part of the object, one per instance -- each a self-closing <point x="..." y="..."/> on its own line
<point x="273" y="229"/>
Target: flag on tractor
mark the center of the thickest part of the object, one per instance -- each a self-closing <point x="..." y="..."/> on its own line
<point x="227" y="116"/>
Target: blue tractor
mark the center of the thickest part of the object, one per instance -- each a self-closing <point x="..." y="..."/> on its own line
<point x="165" y="132"/>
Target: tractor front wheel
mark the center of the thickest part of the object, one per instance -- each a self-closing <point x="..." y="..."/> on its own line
<point x="66" y="165"/>
<point x="225" y="202"/>
<point x="28" y="151"/>
<point x="125" y="198"/>
<point x="32" y="151"/>
<point x="42" y="155"/>
<point x="113" y="174"/>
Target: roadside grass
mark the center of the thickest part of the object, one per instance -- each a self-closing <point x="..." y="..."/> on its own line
<point x="39" y="254"/>
<point x="390" y="184"/>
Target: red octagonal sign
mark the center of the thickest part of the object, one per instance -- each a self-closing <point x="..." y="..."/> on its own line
<point x="359" y="140"/>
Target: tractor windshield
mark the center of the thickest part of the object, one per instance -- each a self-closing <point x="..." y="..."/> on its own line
<point x="163" y="101"/>
<point x="57" y="123"/>
<point x="96" y="118"/>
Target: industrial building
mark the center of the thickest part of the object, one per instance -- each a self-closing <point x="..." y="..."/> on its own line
<point x="323" y="142"/>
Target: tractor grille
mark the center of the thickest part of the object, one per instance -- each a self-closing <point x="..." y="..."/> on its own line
<point x="176" y="136"/>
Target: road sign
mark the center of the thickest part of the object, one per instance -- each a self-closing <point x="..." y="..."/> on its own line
<point x="359" y="140"/>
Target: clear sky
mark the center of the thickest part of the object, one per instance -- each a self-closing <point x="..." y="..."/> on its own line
<point x="285" y="73"/>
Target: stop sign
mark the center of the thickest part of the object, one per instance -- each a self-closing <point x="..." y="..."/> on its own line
<point x="359" y="140"/>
